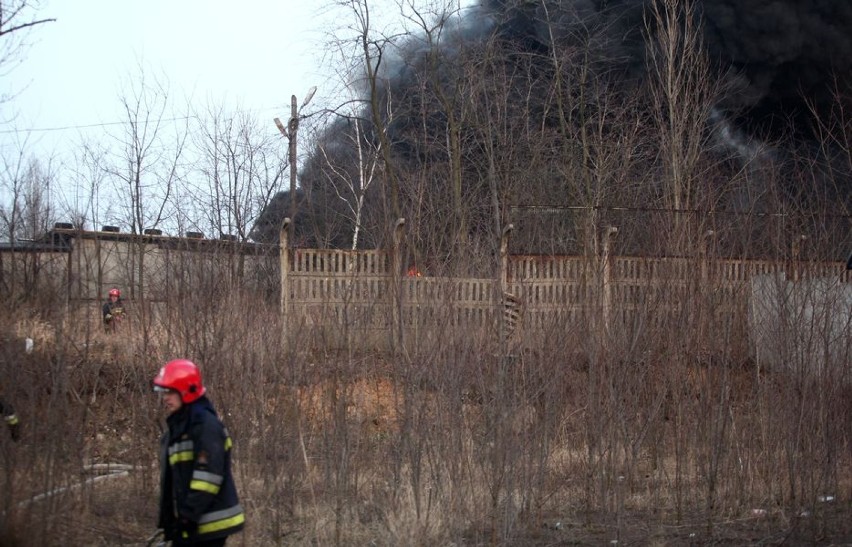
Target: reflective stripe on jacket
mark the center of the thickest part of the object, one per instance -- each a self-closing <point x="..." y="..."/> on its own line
<point x="196" y="484"/>
<point x="8" y="413"/>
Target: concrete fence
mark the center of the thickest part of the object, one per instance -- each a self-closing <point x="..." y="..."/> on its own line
<point x="360" y="297"/>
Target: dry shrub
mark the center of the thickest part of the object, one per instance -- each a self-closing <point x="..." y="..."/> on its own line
<point x="39" y="330"/>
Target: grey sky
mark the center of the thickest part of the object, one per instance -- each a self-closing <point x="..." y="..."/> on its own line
<point x="251" y="55"/>
<point x="254" y="54"/>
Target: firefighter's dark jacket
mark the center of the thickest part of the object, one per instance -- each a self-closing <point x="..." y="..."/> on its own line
<point x="8" y="414"/>
<point x="112" y="308"/>
<point x="196" y="485"/>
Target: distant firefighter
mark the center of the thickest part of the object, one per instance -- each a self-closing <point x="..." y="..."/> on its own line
<point x="11" y="419"/>
<point x="113" y="311"/>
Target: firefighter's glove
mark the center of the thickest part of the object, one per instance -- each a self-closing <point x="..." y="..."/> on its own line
<point x="14" y="427"/>
<point x="186" y="528"/>
<point x="108" y="317"/>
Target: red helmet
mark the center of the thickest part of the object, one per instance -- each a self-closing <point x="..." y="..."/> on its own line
<point x="182" y="376"/>
<point x="115" y="292"/>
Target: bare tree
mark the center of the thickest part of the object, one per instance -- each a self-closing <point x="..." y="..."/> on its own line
<point x="448" y="88"/>
<point x="17" y="18"/>
<point x="366" y="70"/>
<point x="683" y="96"/>
<point x="240" y="166"/>
<point x="87" y="199"/>
<point x="834" y="133"/>
<point x="146" y="162"/>
<point x="28" y="185"/>
<point x="351" y="188"/>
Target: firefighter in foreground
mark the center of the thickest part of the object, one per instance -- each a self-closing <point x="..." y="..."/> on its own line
<point x="113" y="311"/>
<point x="11" y="420"/>
<point x="198" y="499"/>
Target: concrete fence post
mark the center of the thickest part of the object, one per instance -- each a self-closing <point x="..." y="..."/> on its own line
<point x="510" y="303"/>
<point x="284" y="263"/>
<point x="607" y="275"/>
<point x="397" y="338"/>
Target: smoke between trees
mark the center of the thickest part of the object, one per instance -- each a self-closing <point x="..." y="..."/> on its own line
<point x="563" y="86"/>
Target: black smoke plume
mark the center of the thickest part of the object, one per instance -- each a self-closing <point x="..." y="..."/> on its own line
<point x="782" y="68"/>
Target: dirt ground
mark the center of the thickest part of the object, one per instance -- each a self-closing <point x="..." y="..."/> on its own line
<point x="112" y="519"/>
